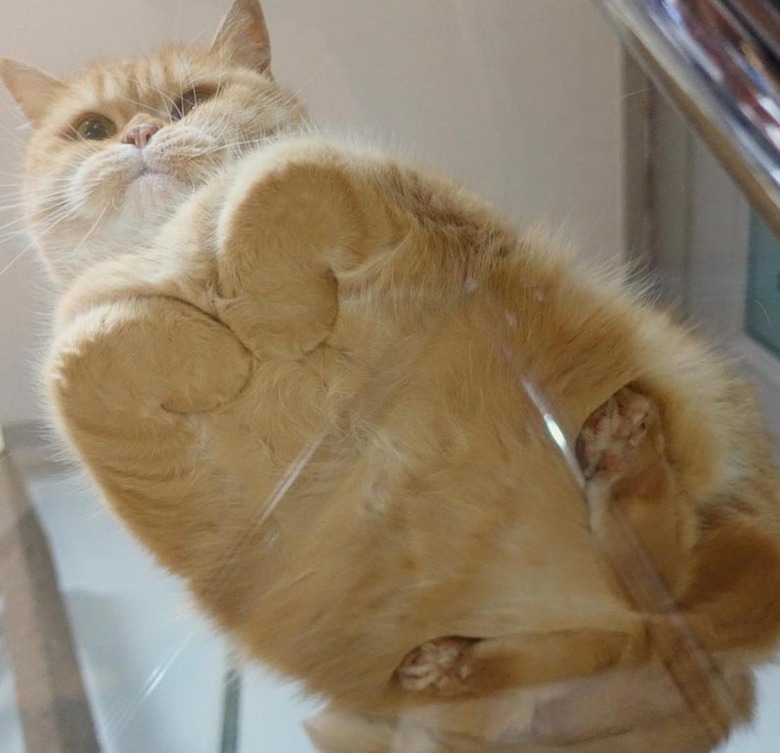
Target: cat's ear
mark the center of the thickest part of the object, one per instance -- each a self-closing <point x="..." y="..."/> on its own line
<point x="244" y="36"/>
<point x="32" y="89"/>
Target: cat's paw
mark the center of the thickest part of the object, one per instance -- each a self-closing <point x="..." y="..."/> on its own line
<point x="440" y="666"/>
<point x="612" y="438"/>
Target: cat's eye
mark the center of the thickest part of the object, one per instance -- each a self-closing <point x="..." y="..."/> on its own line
<point x="188" y="101"/>
<point x="96" y="128"/>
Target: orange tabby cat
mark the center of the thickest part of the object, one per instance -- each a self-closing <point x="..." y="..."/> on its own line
<point x="398" y="450"/>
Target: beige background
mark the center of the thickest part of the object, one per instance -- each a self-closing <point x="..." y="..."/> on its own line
<point x="520" y="98"/>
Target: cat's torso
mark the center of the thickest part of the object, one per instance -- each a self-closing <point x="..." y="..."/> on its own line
<point x="403" y="469"/>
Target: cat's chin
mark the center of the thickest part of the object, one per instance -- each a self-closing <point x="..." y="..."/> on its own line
<point x="153" y="182"/>
<point x="155" y="190"/>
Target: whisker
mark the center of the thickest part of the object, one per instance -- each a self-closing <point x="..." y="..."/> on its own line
<point x="16" y="221"/>
<point x="20" y="142"/>
<point x="15" y="259"/>
<point x="54" y="222"/>
<point x="90" y="231"/>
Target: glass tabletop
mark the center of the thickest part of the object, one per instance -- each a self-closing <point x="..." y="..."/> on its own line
<point x="124" y="663"/>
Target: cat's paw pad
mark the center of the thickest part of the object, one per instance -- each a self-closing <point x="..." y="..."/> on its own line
<point x="614" y="432"/>
<point x="440" y="666"/>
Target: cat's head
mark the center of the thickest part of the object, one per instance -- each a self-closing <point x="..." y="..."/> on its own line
<point x="117" y="148"/>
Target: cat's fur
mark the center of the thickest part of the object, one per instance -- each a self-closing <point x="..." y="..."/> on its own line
<point x="319" y="385"/>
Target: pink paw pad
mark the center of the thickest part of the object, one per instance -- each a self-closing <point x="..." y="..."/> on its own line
<point x="612" y="431"/>
<point x="440" y="665"/>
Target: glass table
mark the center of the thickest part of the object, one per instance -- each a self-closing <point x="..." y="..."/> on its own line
<point x="100" y="649"/>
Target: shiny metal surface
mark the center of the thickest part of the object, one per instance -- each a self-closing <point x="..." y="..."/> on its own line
<point x="719" y="61"/>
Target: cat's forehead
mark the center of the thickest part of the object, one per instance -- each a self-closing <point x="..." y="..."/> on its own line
<point x="148" y="81"/>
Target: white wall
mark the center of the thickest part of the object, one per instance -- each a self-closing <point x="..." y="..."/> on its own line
<point x="521" y="98"/>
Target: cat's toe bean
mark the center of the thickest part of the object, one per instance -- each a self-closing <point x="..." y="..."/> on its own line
<point x="440" y="666"/>
<point x="613" y="431"/>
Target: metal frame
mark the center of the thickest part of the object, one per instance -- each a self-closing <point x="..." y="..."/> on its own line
<point x="694" y="210"/>
<point x="52" y="701"/>
<point x="704" y="58"/>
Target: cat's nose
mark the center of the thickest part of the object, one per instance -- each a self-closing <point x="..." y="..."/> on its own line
<point x="140" y="135"/>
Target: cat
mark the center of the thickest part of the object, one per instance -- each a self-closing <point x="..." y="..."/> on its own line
<point x="420" y="461"/>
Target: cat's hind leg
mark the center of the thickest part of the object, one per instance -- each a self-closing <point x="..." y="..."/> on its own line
<point x="639" y="521"/>
<point x="644" y="526"/>
<point x="453" y="665"/>
<point x="442" y="665"/>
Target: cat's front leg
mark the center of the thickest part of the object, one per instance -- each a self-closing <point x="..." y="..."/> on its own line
<point x="299" y="216"/>
<point x="143" y="358"/>
<point x="130" y="381"/>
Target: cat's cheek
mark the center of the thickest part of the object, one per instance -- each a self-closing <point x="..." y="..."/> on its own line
<point x="103" y="179"/>
<point x="91" y="190"/>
